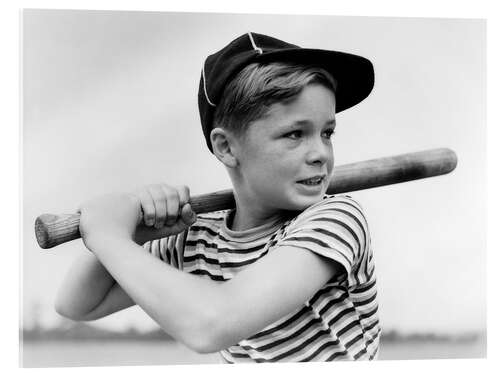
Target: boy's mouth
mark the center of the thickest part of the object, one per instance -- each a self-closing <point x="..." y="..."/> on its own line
<point x="316" y="180"/>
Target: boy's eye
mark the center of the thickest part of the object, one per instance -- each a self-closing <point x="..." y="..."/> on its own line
<point x="296" y="134"/>
<point x="329" y="133"/>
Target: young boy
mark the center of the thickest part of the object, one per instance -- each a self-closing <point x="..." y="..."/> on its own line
<point x="288" y="275"/>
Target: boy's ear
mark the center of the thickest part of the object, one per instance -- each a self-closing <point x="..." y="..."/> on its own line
<point x="223" y="143"/>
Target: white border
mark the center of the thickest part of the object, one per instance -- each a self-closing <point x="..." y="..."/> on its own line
<point x="11" y="162"/>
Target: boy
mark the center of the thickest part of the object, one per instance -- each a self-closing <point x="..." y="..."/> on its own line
<point x="288" y="275"/>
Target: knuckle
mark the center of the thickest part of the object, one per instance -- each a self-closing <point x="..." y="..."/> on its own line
<point x="171" y="194"/>
<point x="155" y="189"/>
<point x="166" y="187"/>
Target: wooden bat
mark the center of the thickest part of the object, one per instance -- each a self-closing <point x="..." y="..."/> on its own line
<point x="52" y="230"/>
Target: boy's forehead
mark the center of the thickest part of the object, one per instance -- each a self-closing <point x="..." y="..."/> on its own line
<point x="278" y="119"/>
<point x="312" y="102"/>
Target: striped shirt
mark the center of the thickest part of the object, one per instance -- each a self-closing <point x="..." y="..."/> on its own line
<point x="339" y="322"/>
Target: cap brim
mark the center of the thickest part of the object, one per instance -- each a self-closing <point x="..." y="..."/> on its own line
<point x="354" y="74"/>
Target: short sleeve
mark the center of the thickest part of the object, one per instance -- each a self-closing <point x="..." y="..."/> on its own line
<point x="335" y="228"/>
<point x="169" y="249"/>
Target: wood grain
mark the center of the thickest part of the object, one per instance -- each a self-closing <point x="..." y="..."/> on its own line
<point x="52" y="230"/>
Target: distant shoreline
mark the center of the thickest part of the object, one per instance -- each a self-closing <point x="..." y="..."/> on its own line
<point x="85" y="332"/>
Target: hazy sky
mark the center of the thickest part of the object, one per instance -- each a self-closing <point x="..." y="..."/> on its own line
<point x="110" y="103"/>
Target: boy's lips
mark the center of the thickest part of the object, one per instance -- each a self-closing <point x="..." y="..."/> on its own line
<point x="314" y="180"/>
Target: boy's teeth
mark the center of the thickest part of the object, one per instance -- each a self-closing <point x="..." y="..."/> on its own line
<point x="312" y="181"/>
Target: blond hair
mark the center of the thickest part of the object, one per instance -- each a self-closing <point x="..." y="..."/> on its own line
<point x="254" y="89"/>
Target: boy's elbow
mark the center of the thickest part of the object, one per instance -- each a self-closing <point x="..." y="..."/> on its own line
<point x="61" y="310"/>
<point x="203" y="345"/>
<point x="206" y="342"/>
<point x="65" y="312"/>
<point x="209" y="336"/>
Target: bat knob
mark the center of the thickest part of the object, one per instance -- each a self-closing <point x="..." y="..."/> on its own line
<point x="52" y="230"/>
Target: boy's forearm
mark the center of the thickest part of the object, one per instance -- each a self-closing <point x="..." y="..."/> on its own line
<point x="85" y="286"/>
<point x="185" y="306"/>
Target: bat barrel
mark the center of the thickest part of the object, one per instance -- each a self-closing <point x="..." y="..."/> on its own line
<point x="52" y="230"/>
<point x="392" y="170"/>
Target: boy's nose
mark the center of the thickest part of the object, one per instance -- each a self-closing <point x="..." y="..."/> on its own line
<point x="319" y="152"/>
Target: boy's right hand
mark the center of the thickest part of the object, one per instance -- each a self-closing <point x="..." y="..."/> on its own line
<point x="166" y="211"/>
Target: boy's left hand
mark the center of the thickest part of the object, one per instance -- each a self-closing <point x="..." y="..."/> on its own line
<point x="111" y="215"/>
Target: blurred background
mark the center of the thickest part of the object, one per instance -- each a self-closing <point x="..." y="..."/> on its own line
<point x="110" y="103"/>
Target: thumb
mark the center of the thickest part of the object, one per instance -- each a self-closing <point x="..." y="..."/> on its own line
<point x="188" y="216"/>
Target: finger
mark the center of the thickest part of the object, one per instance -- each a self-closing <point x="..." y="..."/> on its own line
<point x="148" y="207"/>
<point x="184" y="196"/>
<point x="160" y="204"/>
<point x="172" y="204"/>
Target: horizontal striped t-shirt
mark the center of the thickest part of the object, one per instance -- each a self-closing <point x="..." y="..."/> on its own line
<point x="340" y="322"/>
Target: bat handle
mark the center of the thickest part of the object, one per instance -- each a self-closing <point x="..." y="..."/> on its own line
<point x="52" y="230"/>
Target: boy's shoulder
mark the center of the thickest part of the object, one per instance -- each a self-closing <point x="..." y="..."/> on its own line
<point x="330" y="200"/>
<point x="335" y="206"/>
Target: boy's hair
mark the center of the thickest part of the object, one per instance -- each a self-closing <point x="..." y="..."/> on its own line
<point x="254" y="89"/>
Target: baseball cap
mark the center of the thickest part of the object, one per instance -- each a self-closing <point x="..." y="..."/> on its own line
<point x="354" y="74"/>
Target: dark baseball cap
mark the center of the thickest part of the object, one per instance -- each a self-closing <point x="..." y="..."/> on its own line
<point x="354" y="74"/>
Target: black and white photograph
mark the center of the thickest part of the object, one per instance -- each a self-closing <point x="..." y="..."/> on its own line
<point x="222" y="188"/>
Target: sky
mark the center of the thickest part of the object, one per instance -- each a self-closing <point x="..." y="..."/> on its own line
<point x="110" y="103"/>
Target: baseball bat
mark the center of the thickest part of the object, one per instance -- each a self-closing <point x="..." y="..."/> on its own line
<point x="52" y="230"/>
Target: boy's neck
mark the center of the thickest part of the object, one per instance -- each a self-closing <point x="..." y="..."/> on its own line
<point x="245" y="218"/>
<point x="250" y="214"/>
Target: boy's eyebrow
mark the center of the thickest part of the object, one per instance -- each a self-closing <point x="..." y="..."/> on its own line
<point x="307" y="122"/>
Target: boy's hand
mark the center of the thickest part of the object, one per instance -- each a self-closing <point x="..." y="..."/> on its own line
<point x="111" y="215"/>
<point x="166" y="211"/>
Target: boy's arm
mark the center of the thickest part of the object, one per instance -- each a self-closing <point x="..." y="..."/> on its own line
<point x="208" y="316"/>
<point x="89" y="292"/>
<point x="204" y="315"/>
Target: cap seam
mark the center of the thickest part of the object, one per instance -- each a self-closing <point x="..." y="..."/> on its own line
<point x="254" y="45"/>
<point x="205" y="86"/>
